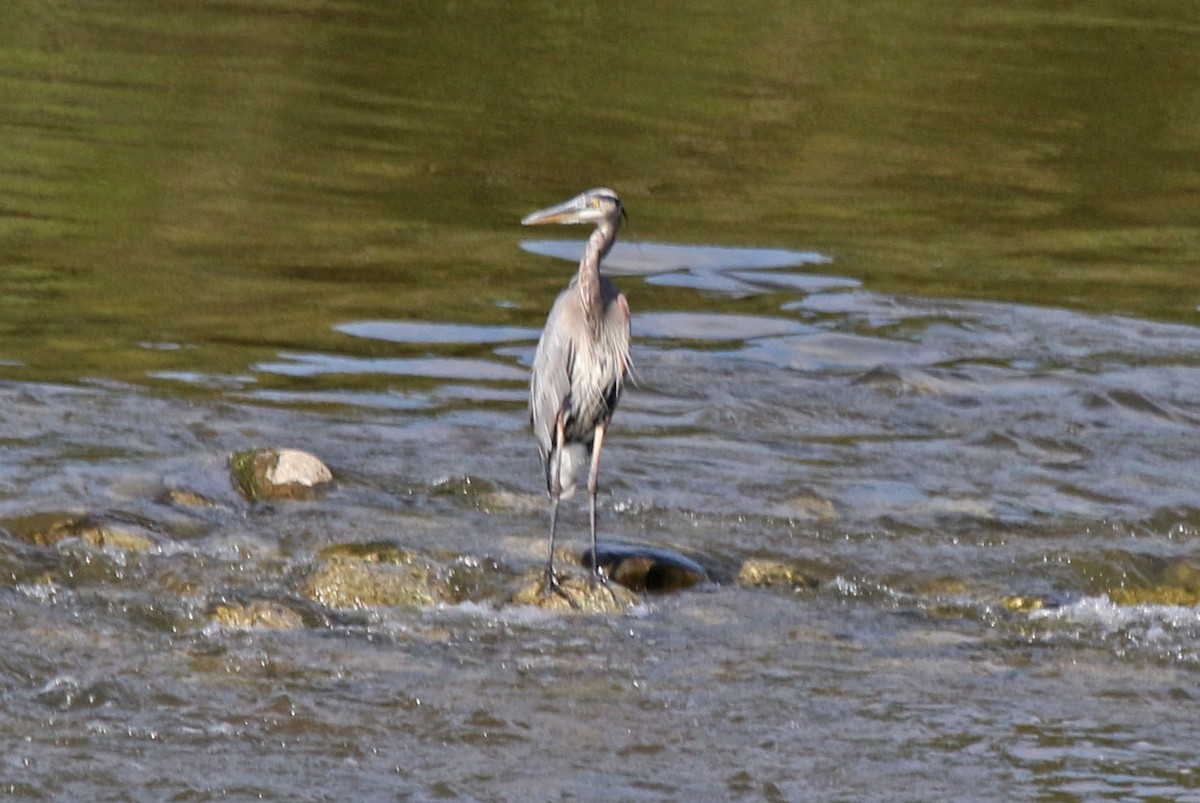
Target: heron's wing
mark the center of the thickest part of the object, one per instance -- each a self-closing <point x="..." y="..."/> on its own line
<point x="614" y="347"/>
<point x="550" y="383"/>
<point x="619" y="312"/>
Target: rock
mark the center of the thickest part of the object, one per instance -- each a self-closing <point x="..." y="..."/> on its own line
<point x="644" y="568"/>
<point x="270" y="474"/>
<point x="764" y="573"/>
<point x="575" y="593"/>
<point x="372" y="576"/>
<point x="257" y="615"/>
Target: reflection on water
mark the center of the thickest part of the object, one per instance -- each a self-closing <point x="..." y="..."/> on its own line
<point x="430" y="332"/>
<point x="728" y="271"/>
<point x="642" y="259"/>
<point x="441" y="368"/>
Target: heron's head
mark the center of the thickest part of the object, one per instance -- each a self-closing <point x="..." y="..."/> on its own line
<point x="594" y="206"/>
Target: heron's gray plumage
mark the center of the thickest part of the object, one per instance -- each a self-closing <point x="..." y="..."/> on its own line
<point x="582" y="357"/>
<point x="579" y="371"/>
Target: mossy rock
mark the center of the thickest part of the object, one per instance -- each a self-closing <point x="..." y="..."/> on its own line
<point x="278" y="474"/>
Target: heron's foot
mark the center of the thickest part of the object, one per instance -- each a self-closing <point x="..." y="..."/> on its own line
<point x="552" y="586"/>
<point x="597" y="578"/>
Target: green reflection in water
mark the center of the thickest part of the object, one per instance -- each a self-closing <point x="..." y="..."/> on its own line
<point x="238" y="178"/>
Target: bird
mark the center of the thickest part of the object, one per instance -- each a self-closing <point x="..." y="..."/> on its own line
<point x="581" y="362"/>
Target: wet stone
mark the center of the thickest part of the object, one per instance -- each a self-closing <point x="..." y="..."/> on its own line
<point x="278" y="474"/>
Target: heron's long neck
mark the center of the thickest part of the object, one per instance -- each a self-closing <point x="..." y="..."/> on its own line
<point x="598" y="245"/>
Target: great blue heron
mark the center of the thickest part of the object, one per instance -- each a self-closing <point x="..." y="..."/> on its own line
<point x="581" y="361"/>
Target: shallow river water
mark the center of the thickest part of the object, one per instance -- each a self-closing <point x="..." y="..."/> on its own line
<point x="915" y="329"/>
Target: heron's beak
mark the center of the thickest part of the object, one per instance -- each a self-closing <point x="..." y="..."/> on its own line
<point x="575" y="210"/>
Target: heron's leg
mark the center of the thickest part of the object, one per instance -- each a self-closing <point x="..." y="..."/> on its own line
<point x="597" y="444"/>
<point x="555" y="496"/>
<point x="551" y="577"/>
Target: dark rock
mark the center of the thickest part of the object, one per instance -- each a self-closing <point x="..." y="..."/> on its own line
<point x="644" y="568"/>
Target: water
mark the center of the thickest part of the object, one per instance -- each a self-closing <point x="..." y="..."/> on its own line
<point x="915" y="319"/>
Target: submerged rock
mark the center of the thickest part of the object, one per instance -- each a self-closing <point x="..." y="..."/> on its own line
<point x="188" y="500"/>
<point x="1135" y="578"/>
<point x="809" y="507"/>
<point x="1022" y="603"/>
<point x="576" y="593"/>
<point x="1163" y="581"/>
<point x="268" y="474"/>
<point x="49" y="529"/>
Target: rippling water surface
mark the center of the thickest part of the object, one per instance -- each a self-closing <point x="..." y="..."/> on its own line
<point x="917" y="384"/>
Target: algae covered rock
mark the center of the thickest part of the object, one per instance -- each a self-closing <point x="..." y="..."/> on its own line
<point x="284" y="474"/>
<point x="765" y="573"/>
